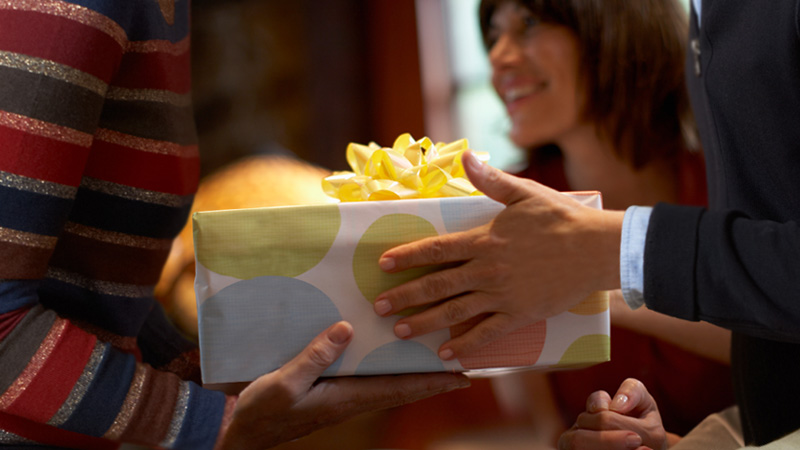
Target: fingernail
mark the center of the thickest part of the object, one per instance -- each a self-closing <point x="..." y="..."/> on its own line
<point x="386" y="263"/>
<point x="446" y="354"/>
<point x="472" y="162"/>
<point x="619" y="402"/>
<point x="596" y="407"/>
<point x="633" y="441"/>
<point x="402" y="330"/>
<point x="382" y="307"/>
<point x="340" y="334"/>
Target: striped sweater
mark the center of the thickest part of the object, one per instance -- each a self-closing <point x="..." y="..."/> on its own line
<point x="98" y="168"/>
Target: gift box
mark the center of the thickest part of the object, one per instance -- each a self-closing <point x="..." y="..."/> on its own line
<point x="268" y="280"/>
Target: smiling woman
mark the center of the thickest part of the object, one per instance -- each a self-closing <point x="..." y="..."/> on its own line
<point x="619" y="67"/>
<point x="535" y="73"/>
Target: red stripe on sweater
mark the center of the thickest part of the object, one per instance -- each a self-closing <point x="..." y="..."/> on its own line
<point x="29" y="262"/>
<point x="24" y="31"/>
<point x="155" y="71"/>
<point x="55" y="380"/>
<point x="47" y="435"/>
<point x="171" y="174"/>
<point x="43" y="158"/>
<point x="107" y="261"/>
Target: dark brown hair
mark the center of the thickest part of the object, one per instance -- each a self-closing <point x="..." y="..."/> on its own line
<point x="632" y="64"/>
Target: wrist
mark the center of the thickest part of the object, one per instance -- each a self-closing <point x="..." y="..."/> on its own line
<point x="227" y="418"/>
<point x="672" y="439"/>
<point x="608" y="236"/>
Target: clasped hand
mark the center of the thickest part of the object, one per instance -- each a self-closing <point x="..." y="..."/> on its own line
<point x="628" y="421"/>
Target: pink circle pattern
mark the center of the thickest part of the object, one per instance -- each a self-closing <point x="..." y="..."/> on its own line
<point x="518" y="348"/>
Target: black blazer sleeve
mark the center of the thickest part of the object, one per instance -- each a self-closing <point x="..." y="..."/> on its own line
<point x="724" y="268"/>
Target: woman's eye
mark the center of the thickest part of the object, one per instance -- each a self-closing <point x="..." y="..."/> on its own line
<point x="529" y="22"/>
<point x="491" y="39"/>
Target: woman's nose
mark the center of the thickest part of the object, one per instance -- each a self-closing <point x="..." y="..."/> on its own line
<point x="504" y="51"/>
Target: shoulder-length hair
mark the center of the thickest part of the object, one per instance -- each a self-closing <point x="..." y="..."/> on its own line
<point x="632" y="64"/>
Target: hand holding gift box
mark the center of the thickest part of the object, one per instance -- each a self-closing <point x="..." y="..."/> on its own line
<point x="537" y="258"/>
<point x="270" y="279"/>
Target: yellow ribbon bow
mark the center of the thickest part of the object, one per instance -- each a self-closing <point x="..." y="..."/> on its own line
<point x="410" y="169"/>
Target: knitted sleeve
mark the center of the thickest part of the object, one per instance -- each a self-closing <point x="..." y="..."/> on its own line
<point x="84" y="185"/>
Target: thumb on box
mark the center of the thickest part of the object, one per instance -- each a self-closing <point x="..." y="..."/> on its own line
<point x="495" y="183"/>
<point x="318" y="355"/>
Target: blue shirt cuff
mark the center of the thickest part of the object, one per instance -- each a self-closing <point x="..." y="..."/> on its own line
<point x="631" y="254"/>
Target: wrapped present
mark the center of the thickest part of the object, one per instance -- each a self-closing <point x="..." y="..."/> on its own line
<point x="268" y="280"/>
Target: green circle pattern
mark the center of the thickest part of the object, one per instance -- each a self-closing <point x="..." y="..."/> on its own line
<point x="587" y="350"/>
<point x="388" y="231"/>
<point x="257" y="242"/>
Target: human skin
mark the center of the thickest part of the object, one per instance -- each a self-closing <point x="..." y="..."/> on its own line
<point x="535" y="69"/>
<point x="628" y="421"/>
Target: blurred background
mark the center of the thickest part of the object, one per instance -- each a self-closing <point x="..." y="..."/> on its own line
<point x="280" y="88"/>
<point x="309" y="77"/>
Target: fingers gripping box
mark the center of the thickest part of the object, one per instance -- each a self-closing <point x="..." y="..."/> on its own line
<point x="268" y="280"/>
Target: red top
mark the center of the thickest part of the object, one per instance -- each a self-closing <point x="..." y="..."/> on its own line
<point x="98" y="169"/>
<point x="687" y="387"/>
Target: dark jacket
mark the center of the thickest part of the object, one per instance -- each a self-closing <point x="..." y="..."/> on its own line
<point x="737" y="264"/>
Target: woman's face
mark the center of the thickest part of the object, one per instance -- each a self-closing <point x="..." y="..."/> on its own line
<point x="535" y="73"/>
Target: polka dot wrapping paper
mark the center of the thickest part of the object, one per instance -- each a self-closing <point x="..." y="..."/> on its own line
<point x="268" y="280"/>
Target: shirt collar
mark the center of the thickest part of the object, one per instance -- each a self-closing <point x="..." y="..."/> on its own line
<point x="697" y="9"/>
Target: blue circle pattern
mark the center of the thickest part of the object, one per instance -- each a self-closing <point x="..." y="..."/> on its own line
<point x="461" y="214"/>
<point x="271" y="319"/>
<point x="400" y="357"/>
